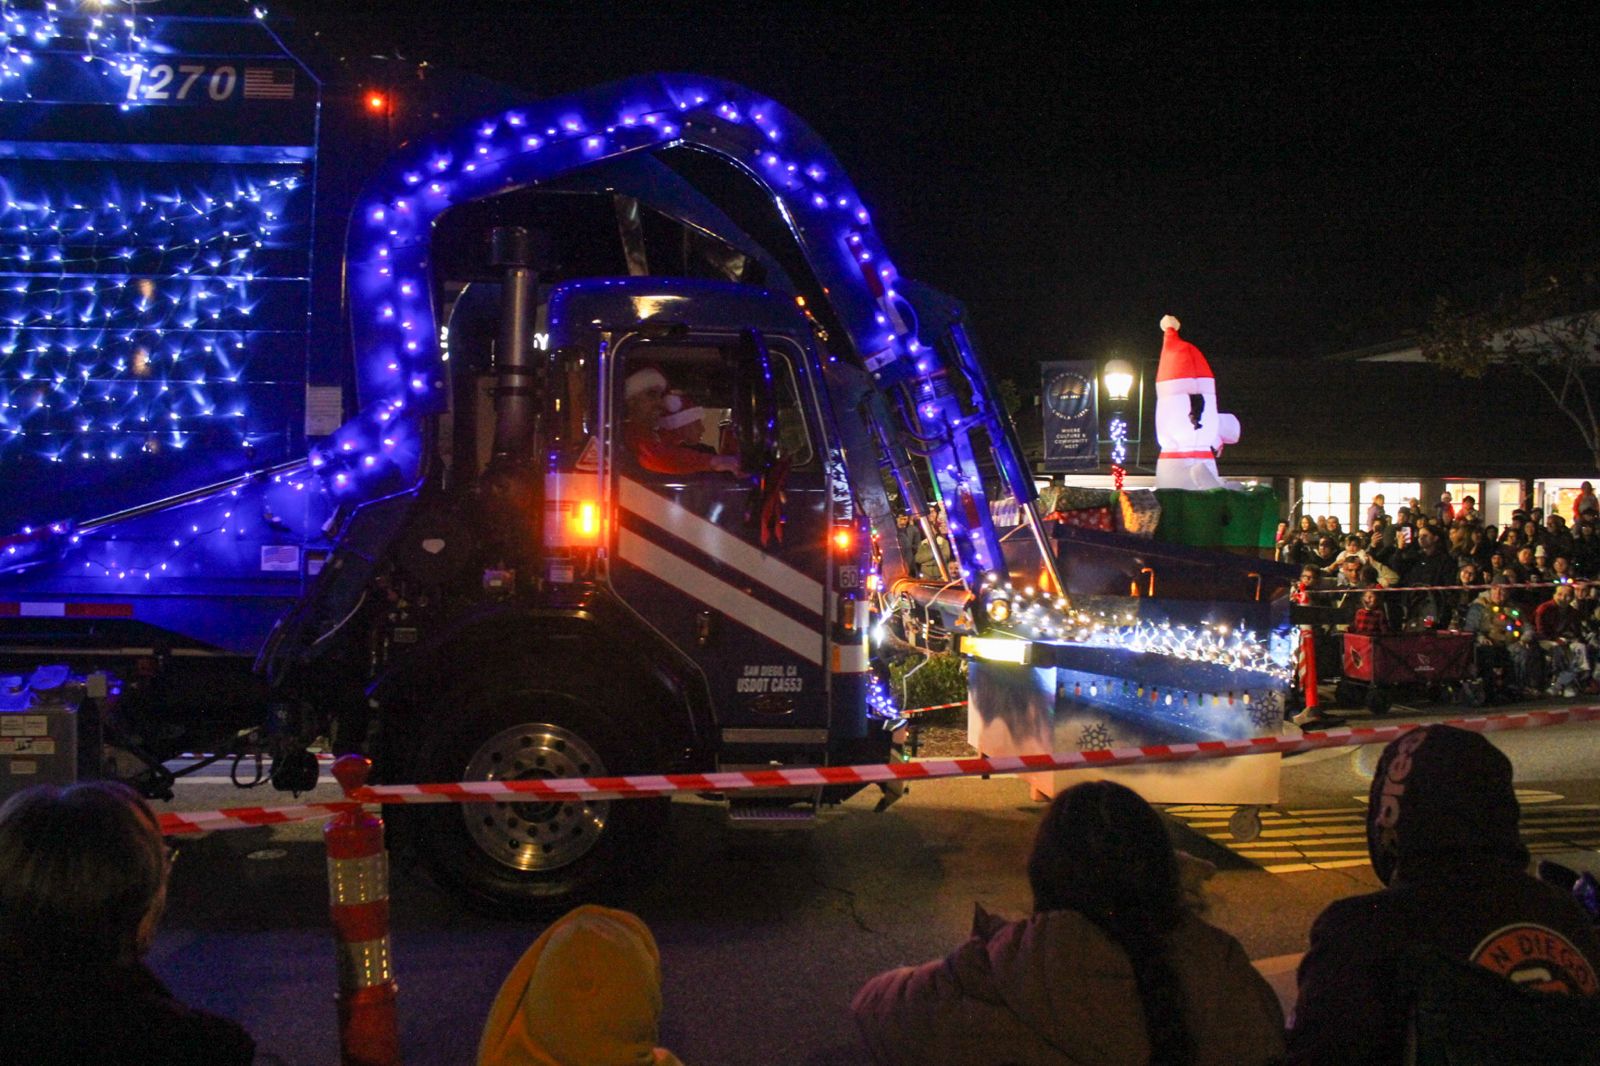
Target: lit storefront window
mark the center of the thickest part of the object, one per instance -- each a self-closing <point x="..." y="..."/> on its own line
<point x="1510" y="499"/>
<point x="1326" y="498"/>
<point x="1460" y="490"/>
<point x="1395" y="495"/>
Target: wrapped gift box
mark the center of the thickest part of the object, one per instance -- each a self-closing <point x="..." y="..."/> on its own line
<point x="1139" y="512"/>
<point x="1088" y="518"/>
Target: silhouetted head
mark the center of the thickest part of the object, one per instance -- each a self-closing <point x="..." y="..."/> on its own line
<point x="83" y="874"/>
<point x="1100" y="849"/>
<point x="1441" y="795"/>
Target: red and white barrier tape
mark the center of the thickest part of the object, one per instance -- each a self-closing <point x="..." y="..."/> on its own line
<point x="179" y="823"/>
<point x="322" y="756"/>
<point x="646" y="785"/>
<point x="935" y="707"/>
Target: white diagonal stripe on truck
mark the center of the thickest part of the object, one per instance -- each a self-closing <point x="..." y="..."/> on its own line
<point x="742" y="608"/>
<point x="721" y="545"/>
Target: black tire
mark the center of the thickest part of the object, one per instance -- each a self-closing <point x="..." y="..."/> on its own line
<point x="1349" y="693"/>
<point x="1379" y="701"/>
<point x="539" y="858"/>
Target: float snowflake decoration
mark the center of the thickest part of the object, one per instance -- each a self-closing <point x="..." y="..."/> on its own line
<point x="1096" y="737"/>
<point x="1266" y="713"/>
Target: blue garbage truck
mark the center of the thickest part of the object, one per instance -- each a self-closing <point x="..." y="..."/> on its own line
<point x="359" y="405"/>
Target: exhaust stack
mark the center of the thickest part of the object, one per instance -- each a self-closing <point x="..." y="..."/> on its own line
<point x="510" y="250"/>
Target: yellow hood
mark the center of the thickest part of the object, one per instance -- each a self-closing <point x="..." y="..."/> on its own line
<point x="587" y="993"/>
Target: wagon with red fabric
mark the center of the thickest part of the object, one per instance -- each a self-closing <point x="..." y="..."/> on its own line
<point x="1434" y="663"/>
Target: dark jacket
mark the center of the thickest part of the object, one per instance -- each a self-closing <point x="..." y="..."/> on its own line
<point x="118" y="1014"/>
<point x="1054" y="990"/>
<point x="1429" y="570"/>
<point x="1442" y="833"/>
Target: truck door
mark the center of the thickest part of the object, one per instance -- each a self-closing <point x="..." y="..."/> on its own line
<point x="722" y="521"/>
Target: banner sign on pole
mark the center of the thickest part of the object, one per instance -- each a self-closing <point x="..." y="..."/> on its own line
<point x="1071" y="416"/>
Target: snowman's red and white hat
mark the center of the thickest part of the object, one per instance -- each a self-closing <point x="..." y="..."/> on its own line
<point x="1182" y="368"/>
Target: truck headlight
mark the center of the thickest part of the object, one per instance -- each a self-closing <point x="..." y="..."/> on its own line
<point x="997" y="607"/>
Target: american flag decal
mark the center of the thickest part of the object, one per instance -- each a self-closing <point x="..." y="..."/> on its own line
<point x="269" y="83"/>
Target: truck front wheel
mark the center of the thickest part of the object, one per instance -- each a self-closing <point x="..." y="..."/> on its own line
<point x="533" y="857"/>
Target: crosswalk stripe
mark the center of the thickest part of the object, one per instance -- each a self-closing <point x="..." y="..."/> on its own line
<point x="1270" y="819"/>
<point x="1330" y="835"/>
<point x="1311" y="831"/>
<point x="1300" y="867"/>
<point x="1328" y="838"/>
<point x="1353" y="853"/>
<point x="1546" y="816"/>
<point x="1278" y="842"/>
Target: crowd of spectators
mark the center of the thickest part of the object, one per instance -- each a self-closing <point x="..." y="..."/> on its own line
<point x="1529" y="591"/>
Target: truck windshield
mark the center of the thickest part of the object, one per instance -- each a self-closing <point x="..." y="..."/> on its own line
<point x="697" y="407"/>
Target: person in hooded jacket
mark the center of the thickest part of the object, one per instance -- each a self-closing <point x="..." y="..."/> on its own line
<point x="1442" y="835"/>
<point x="586" y="993"/>
<point x="1110" y="968"/>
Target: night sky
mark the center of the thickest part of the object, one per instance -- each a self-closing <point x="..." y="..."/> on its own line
<point x="1288" y="186"/>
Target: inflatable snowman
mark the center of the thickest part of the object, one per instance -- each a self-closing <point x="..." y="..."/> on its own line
<point x="1189" y="428"/>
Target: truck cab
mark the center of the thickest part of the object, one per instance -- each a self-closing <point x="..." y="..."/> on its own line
<point x="754" y="568"/>
<point x="635" y="546"/>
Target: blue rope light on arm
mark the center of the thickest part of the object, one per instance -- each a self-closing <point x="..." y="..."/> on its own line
<point x="395" y="321"/>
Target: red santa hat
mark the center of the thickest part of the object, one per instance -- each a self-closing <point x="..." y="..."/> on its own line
<point x="643" y="380"/>
<point x="1180" y="360"/>
<point x="679" y="412"/>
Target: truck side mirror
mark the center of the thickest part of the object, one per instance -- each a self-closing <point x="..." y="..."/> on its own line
<point x="755" y="411"/>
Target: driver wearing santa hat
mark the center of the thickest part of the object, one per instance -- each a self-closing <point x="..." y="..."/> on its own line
<point x="645" y="397"/>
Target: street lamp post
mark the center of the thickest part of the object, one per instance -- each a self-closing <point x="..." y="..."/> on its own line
<point x="1118" y="377"/>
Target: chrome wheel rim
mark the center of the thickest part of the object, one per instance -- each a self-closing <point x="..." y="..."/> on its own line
<point x="530" y="837"/>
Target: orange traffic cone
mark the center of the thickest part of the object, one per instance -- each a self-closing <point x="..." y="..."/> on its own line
<point x="358" y="899"/>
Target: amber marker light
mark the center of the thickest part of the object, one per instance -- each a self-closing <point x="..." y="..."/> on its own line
<point x="586" y="520"/>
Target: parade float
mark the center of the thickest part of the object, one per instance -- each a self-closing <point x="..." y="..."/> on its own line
<point x="1175" y="574"/>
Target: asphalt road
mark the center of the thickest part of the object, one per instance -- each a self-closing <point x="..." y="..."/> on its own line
<point x="765" y="935"/>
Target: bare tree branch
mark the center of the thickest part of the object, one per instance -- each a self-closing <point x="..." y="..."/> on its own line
<point x="1550" y="331"/>
<point x="1587" y="432"/>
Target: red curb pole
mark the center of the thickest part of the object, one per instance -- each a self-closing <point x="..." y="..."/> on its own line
<point x="358" y="901"/>
<point x="1308" y="651"/>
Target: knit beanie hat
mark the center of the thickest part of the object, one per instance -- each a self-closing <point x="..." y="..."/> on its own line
<point x="1442" y="793"/>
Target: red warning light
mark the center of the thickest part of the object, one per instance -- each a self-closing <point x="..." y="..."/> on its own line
<point x="377" y="103"/>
